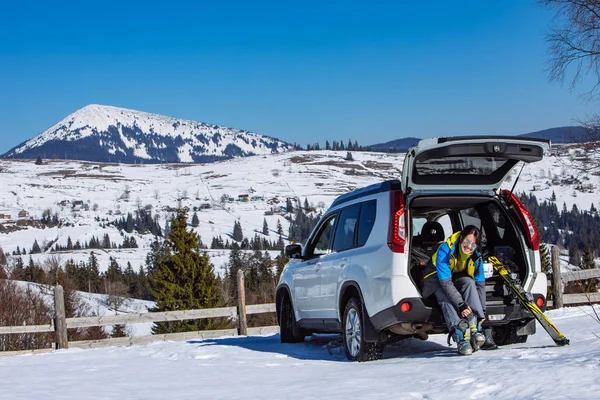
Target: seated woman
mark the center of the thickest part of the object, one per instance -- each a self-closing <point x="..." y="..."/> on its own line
<point x="455" y="275"/>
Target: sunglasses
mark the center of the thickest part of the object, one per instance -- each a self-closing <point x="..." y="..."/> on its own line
<point x="470" y="244"/>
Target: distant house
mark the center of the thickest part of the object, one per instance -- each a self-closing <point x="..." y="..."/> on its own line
<point x="23" y="214"/>
<point x="5" y="216"/>
<point x="256" y="198"/>
<point x="537" y="187"/>
<point x="64" y="203"/>
<point x="205" y="206"/>
<point x="243" y="197"/>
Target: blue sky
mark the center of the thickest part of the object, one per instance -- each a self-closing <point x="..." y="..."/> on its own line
<point x="300" y="71"/>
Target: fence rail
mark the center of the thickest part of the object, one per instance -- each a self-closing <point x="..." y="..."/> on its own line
<point x="59" y="324"/>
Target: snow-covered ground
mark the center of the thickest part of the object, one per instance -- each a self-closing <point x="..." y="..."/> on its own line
<point x="262" y="368"/>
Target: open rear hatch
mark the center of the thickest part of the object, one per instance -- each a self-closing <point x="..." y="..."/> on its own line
<point x="478" y="163"/>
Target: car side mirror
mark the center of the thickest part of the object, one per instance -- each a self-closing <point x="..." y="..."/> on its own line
<point x="293" y="251"/>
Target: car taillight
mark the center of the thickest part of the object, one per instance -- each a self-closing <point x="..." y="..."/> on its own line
<point x="532" y="235"/>
<point x="397" y="230"/>
<point x="539" y="302"/>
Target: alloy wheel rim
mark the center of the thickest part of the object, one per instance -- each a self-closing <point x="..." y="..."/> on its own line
<point x="353" y="332"/>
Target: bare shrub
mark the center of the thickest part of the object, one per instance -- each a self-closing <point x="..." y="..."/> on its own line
<point x="23" y="306"/>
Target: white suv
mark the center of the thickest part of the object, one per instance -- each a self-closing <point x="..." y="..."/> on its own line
<point x="359" y="272"/>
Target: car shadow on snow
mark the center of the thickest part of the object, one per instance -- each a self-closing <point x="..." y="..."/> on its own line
<point x="328" y="347"/>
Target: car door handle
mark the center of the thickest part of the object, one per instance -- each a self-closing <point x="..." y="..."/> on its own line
<point x="343" y="262"/>
<point x="318" y="266"/>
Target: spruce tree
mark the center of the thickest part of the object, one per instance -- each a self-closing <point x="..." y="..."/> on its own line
<point x="265" y="229"/>
<point x="195" y="220"/>
<point x="118" y="331"/>
<point x="93" y="274"/>
<point x="234" y="265"/>
<point x="18" y="271"/>
<point x="238" y="234"/>
<point x="35" y="248"/>
<point x="183" y="279"/>
<point x="279" y="228"/>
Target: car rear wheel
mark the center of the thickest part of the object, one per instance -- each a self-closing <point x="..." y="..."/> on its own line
<point x="289" y="331"/>
<point x="357" y="349"/>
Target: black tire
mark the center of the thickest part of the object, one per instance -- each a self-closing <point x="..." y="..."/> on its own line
<point x="289" y="332"/>
<point x="507" y="334"/>
<point x="353" y="336"/>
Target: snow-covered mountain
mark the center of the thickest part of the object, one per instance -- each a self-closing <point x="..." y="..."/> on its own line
<point x="112" y="134"/>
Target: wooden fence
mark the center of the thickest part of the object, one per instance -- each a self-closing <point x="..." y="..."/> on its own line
<point x="560" y="279"/>
<point x="60" y="324"/>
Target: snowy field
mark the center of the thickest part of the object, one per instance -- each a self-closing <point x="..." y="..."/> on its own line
<point x="260" y="367"/>
<point x="318" y="176"/>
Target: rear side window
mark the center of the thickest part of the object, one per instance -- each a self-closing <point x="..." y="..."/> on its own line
<point x="366" y="221"/>
<point x="346" y="227"/>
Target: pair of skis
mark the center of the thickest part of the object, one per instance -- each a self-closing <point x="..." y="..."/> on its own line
<point x="527" y="301"/>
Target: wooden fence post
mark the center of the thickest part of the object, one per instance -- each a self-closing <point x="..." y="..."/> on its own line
<point x="60" y="323"/>
<point x="243" y="324"/>
<point x="556" y="281"/>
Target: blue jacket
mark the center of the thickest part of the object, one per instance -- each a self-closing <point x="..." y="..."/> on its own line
<point x="444" y="265"/>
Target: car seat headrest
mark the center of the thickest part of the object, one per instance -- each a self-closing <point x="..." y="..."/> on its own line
<point x="432" y="232"/>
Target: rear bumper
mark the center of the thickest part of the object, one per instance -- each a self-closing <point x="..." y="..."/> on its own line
<point x="422" y="313"/>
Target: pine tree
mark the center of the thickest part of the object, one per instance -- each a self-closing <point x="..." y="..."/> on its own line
<point x="69" y="243"/>
<point x="195" y="220"/>
<point x="38" y="161"/>
<point x="265" y="229"/>
<point x="118" y="331"/>
<point x="129" y="224"/>
<point x="234" y="265"/>
<point x="35" y="249"/>
<point x="587" y="262"/>
<point x="306" y="205"/>
<point x="114" y="273"/>
<point x="553" y="198"/>
<point x="18" y="271"/>
<point x="327" y="145"/>
<point x="349" y="156"/>
<point x="281" y="261"/>
<point x="184" y="278"/>
<point x="289" y="207"/>
<point x="106" y="242"/>
<point x="574" y="254"/>
<point x="94" y="281"/>
<point x="238" y="234"/>
<point x="279" y="228"/>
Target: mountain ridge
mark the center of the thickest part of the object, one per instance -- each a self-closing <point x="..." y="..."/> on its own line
<point x="106" y="133"/>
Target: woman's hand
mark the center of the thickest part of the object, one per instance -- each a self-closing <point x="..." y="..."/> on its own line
<point x="465" y="313"/>
<point x="464" y="310"/>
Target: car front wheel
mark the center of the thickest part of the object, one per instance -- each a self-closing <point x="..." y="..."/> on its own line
<point x="289" y="331"/>
<point x="357" y="349"/>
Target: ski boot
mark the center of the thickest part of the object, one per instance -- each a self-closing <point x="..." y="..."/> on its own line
<point x="489" y="339"/>
<point x="477" y="338"/>
<point x="462" y="335"/>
